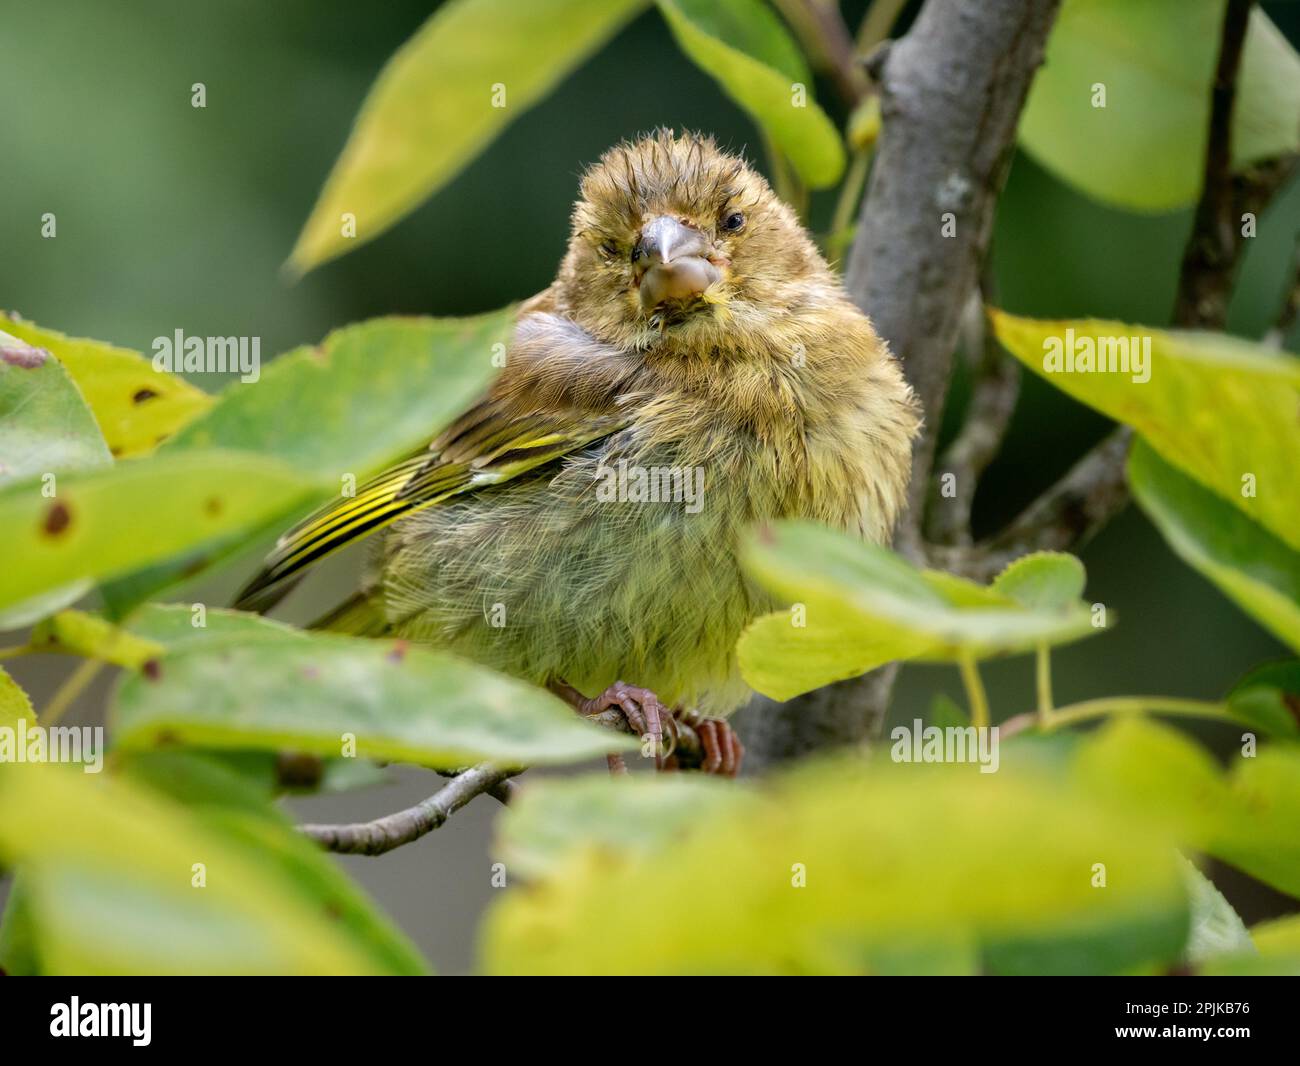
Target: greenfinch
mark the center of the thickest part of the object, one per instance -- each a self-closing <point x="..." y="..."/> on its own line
<point x="695" y="370"/>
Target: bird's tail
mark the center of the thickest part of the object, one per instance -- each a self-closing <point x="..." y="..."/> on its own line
<point x="360" y="615"/>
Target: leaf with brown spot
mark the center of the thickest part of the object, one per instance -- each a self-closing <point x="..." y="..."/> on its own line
<point x="57" y="519"/>
<point x="115" y="520"/>
<point x="111" y="379"/>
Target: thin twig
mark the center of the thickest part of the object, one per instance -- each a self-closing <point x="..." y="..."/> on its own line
<point x="1100" y="708"/>
<point x="393" y="830"/>
<point x="975" y="695"/>
<point x="1064" y="517"/>
<point x="66" y="694"/>
<point x="1205" y="282"/>
<point x="994" y="392"/>
<point x="1094" y="491"/>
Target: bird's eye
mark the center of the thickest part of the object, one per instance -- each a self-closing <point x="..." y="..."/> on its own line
<point x="609" y="249"/>
<point x="733" y="222"/>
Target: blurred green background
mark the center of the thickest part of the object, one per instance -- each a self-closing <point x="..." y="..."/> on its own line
<point x="171" y="217"/>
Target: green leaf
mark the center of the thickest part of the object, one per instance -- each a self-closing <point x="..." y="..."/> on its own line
<point x="553" y="819"/>
<point x="21" y="615"/>
<point x="79" y="633"/>
<point x="432" y="108"/>
<point x="1260" y="832"/>
<point x="109" y="521"/>
<point x="978" y="859"/>
<point x="109" y="871"/>
<point x="14" y="703"/>
<point x="199" y="780"/>
<point x="1276" y="952"/>
<point x="45" y="426"/>
<point x="158" y="629"/>
<point x="173" y="625"/>
<point x="1043" y="581"/>
<point x="242" y="812"/>
<point x="313" y="873"/>
<point x="405" y="704"/>
<point x="1145" y="149"/>
<point x="135" y="405"/>
<point x="946" y="713"/>
<point x="18" y="956"/>
<point x="858" y="606"/>
<point x="745" y="49"/>
<point x="1217" y="929"/>
<point x="1247" y="818"/>
<point x="370" y="393"/>
<point x="1268" y="699"/>
<point x="200" y="775"/>
<point x="1218" y="408"/>
<point x="1256" y="570"/>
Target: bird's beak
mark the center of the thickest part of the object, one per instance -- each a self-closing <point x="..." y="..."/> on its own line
<point x="670" y="262"/>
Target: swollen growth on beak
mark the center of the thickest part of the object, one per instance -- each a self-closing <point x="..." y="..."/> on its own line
<point x="669" y="262"/>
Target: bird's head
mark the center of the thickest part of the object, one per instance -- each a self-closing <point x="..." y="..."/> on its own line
<point x="678" y="243"/>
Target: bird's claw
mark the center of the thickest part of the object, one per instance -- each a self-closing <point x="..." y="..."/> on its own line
<point x="722" y="749"/>
<point x="647" y="716"/>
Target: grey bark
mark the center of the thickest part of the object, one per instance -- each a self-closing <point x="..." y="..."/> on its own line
<point x="952" y="90"/>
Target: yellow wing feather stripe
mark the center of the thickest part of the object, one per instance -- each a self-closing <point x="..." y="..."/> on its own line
<point x="485" y="447"/>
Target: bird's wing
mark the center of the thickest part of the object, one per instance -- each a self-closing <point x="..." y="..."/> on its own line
<point x="489" y="445"/>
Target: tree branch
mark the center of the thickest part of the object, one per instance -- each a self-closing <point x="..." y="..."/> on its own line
<point x="1064" y="517"/>
<point x="952" y="90"/>
<point x="394" y="830"/>
<point x="993" y="398"/>
<point x="1210" y="259"/>
<point x="1094" y="491"/>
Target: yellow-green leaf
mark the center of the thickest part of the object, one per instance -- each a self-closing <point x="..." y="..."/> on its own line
<point x="551" y="820"/>
<point x="1247" y="818"/>
<point x="235" y="806"/>
<point x="856" y="606"/>
<point x="14" y="702"/>
<point x="1042" y="580"/>
<point x="45" y="426"/>
<point x="470" y="70"/>
<point x="369" y="393"/>
<point x="821" y="873"/>
<point x="119" y="880"/>
<point x="135" y="405"/>
<point x="1218" y="408"/>
<point x="754" y="69"/>
<point x="1256" y="570"/>
<point x="108" y="521"/>
<point x="398" y="703"/>
<point x="1155" y="61"/>
<point x="180" y="625"/>
<point x="79" y="633"/>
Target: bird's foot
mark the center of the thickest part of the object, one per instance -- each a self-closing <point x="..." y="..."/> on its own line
<point x="647" y="717"/>
<point x="721" y="751"/>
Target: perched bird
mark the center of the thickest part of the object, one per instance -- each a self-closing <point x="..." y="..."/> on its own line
<point x="694" y="370"/>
